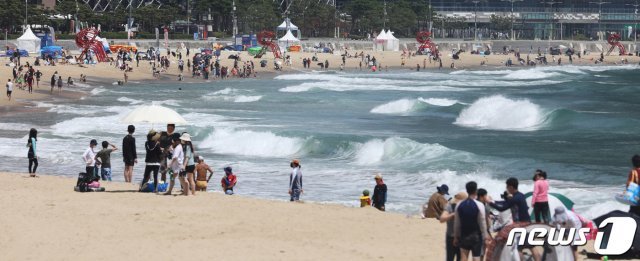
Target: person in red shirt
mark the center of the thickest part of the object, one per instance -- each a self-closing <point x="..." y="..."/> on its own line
<point x="228" y="181"/>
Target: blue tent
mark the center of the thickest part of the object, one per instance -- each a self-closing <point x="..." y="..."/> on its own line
<point x="23" y="53"/>
<point x="51" y="50"/>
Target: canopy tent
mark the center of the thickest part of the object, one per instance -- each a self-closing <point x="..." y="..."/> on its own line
<point x="380" y="42"/>
<point x="393" y="44"/>
<point x="287" y="25"/>
<point x="287" y="40"/>
<point x="29" y="42"/>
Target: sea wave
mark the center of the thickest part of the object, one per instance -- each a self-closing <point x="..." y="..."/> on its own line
<point x="500" y="113"/>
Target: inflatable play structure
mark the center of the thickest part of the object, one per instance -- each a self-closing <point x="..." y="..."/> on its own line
<point x="424" y="38"/>
<point x="87" y="41"/>
<point x="614" y="41"/>
<point x="268" y="41"/>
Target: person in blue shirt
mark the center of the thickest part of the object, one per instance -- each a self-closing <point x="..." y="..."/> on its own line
<point x="516" y="203"/>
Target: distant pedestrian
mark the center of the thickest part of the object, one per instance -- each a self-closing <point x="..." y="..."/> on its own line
<point x="9" y="86"/>
<point x="380" y="193"/>
<point x="32" y="154"/>
<point x="295" y="180"/>
<point x="59" y="84"/>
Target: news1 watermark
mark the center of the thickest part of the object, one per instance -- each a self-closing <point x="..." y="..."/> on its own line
<point x="616" y="241"/>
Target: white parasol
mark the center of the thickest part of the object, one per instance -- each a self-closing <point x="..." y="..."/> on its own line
<point x="153" y="114"/>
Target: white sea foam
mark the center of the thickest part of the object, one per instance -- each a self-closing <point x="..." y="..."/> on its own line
<point x="97" y="91"/>
<point x="252" y="143"/>
<point x="244" y="98"/>
<point x="232" y="95"/>
<point x="400" y="150"/>
<point x="443" y="102"/>
<point x="341" y="87"/>
<point x="129" y="100"/>
<point x="530" y="75"/>
<point x="500" y="113"/>
<point x="395" y="107"/>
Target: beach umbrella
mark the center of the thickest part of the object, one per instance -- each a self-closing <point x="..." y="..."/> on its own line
<point x="153" y="114"/>
<point x="555" y="200"/>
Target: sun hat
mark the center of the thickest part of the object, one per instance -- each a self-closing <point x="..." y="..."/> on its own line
<point x="378" y="176"/>
<point x="444" y="189"/>
<point x="459" y="197"/>
<point x="296" y="161"/>
<point x="185" y="137"/>
<point x="200" y="158"/>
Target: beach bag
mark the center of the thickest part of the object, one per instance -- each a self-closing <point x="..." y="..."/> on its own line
<point x="632" y="195"/>
<point x="162" y="187"/>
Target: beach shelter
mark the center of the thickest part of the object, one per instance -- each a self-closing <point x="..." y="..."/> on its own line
<point x="287" y="40"/>
<point x="393" y="44"/>
<point x="555" y="200"/>
<point x="153" y="114"/>
<point x="29" y="42"/>
<point x="287" y="25"/>
<point x="379" y="43"/>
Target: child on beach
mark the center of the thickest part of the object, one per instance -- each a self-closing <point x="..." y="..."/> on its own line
<point x="103" y="158"/>
<point x="228" y="181"/>
<point x="540" y="198"/>
<point x="365" y="200"/>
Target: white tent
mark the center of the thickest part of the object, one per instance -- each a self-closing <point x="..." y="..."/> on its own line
<point x="29" y="42"/>
<point x="287" y="25"/>
<point x="379" y="43"/>
<point x="287" y="40"/>
<point x="393" y="44"/>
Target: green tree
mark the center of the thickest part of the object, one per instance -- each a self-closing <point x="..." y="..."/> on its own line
<point x="366" y="15"/>
<point x="402" y="18"/>
<point x="12" y="15"/>
<point x="500" y="23"/>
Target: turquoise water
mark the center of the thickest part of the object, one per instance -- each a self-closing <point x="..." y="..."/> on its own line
<point x="419" y="129"/>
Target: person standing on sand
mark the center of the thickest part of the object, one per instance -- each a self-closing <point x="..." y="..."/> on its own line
<point x="540" y="198"/>
<point x="38" y="74"/>
<point x="470" y="228"/>
<point x="104" y="157"/>
<point x="379" y="193"/>
<point x="201" y="178"/>
<point x="129" y="155"/>
<point x="9" y="86"/>
<point x="229" y="181"/>
<point x="177" y="168"/>
<point x="295" y="180"/>
<point x="89" y="158"/>
<point x="152" y="160"/>
<point x="189" y="162"/>
<point x="448" y="215"/>
<point x="59" y="84"/>
<point x="437" y="202"/>
<point x="33" y="157"/>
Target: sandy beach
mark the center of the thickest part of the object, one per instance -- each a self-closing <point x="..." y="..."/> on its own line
<point x="104" y="74"/>
<point x="44" y="219"/>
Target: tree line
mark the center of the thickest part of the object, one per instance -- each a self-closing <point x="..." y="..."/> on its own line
<point x="355" y="18"/>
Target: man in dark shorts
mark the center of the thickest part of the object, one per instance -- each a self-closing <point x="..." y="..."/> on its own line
<point x="470" y="228"/>
<point x="9" y="88"/>
<point x="104" y="158"/>
<point x="166" y="140"/>
<point x="129" y="154"/>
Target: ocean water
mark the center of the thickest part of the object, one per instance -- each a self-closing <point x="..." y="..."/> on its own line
<point x="419" y="129"/>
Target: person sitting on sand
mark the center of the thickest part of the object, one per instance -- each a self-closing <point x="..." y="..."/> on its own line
<point x="201" y="178"/>
<point x="229" y="181"/>
<point x="295" y="180"/>
<point x="365" y="200"/>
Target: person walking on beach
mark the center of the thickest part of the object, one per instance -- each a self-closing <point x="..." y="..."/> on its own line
<point x="540" y="198"/>
<point x="470" y="228"/>
<point x="229" y="181"/>
<point x="437" y="202"/>
<point x="201" y="179"/>
<point x="38" y="74"/>
<point x="379" y="193"/>
<point x="295" y="180"/>
<point x="189" y="162"/>
<point x="448" y="215"/>
<point x="31" y="154"/>
<point x="129" y="155"/>
<point x="104" y="158"/>
<point x="177" y="167"/>
<point x="152" y="160"/>
<point x="89" y="157"/>
<point x="9" y="86"/>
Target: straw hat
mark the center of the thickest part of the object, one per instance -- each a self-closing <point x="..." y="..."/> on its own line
<point x="378" y="176"/>
<point x="185" y="137"/>
<point x="459" y="197"/>
<point x="154" y="135"/>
